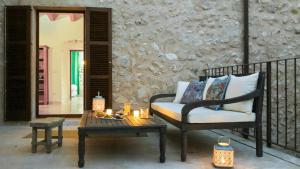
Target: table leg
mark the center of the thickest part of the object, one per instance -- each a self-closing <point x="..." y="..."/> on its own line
<point x="162" y="144"/>
<point x="34" y="140"/>
<point x="81" y="148"/>
<point x="48" y="135"/>
<point x="60" y="135"/>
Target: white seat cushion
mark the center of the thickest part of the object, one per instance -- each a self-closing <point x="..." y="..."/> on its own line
<point x="202" y="114"/>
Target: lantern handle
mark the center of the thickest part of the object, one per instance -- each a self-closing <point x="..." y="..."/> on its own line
<point x="98" y="95"/>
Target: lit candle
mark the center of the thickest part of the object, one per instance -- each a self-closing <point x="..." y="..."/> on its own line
<point x="223" y="144"/>
<point x="109" y="112"/>
<point x="136" y="113"/>
<point x="127" y="107"/>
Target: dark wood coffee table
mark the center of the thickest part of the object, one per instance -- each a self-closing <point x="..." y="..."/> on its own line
<point x="90" y="124"/>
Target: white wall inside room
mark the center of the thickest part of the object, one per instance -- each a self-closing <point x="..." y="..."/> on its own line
<point x="60" y="36"/>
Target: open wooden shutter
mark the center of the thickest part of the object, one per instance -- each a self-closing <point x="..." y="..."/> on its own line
<point x="98" y="74"/>
<point x="17" y="67"/>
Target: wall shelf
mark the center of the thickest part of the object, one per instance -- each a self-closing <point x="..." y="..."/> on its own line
<point x="43" y="75"/>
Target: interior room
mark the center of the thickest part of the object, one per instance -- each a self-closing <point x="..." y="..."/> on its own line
<point x="61" y="63"/>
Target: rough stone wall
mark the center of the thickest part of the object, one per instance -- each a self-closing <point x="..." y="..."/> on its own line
<point x="275" y="34"/>
<point x="274" y="27"/>
<point x="158" y="42"/>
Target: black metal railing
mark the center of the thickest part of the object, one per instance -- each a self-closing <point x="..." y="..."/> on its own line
<point x="281" y="110"/>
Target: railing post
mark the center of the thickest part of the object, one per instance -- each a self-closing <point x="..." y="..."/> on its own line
<point x="205" y="72"/>
<point x="246" y="33"/>
<point x="269" y="104"/>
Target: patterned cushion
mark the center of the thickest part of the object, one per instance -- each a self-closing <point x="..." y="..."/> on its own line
<point x="216" y="91"/>
<point x="194" y="92"/>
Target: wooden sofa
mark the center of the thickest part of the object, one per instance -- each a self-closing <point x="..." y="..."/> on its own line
<point x="179" y="115"/>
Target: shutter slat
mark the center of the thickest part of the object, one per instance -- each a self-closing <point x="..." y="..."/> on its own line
<point x="99" y="26"/>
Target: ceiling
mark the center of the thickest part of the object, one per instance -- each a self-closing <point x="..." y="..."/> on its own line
<point x="56" y="16"/>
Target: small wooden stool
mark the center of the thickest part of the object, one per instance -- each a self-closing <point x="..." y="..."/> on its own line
<point x="47" y="124"/>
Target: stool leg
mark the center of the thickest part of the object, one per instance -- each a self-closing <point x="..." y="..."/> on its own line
<point x="34" y="140"/>
<point x="60" y="135"/>
<point x="48" y="132"/>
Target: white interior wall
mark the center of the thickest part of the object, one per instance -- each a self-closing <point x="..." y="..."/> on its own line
<point x="60" y="36"/>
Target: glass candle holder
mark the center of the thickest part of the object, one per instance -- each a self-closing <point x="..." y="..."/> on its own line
<point x="223" y="141"/>
<point x="136" y="113"/>
<point x="144" y="113"/>
<point x="127" y="108"/>
<point x="109" y="112"/>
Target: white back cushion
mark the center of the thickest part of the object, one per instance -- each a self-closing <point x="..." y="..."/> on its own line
<point x="208" y="83"/>
<point x="181" y="86"/>
<point x="239" y="86"/>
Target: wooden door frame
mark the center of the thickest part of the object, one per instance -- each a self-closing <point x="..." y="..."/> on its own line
<point x="71" y="70"/>
<point x="48" y="9"/>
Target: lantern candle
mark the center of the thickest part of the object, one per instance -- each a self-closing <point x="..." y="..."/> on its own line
<point x="136" y="113"/>
<point x="109" y="112"/>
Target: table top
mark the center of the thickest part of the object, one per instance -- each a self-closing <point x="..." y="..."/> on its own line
<point x="89" y="120"/>
<point x="46" y="122"/>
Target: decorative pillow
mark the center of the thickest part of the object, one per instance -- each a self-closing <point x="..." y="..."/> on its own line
<point x="216" y="91"/>
<point x="239" y="86"/>
<point x="209" y="82"/>
<point x="181" y="86"/>
<point x="194" y="92"/>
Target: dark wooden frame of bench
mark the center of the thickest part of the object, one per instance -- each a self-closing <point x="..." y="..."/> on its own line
<point x="184" y="126"/>
<point x="118" y="127"/>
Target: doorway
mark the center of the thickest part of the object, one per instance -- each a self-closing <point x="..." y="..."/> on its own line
<point x="76" y="79"/>
<point x="60" y="67"/>
<point x="33" y="90"/>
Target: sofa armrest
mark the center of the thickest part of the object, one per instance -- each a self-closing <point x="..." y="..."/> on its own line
<point x="188" y="107"/>
<point x="158" y="96"/>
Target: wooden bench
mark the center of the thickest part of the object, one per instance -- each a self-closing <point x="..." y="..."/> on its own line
<point x="46" y="124"/>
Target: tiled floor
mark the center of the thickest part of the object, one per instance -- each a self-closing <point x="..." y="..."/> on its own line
<point x="131" y="152"/>
<point x="74" y="106"/>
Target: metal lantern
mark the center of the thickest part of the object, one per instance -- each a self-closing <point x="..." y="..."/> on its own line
<point x="98" y="103"/>
<point x="223" y="154"/>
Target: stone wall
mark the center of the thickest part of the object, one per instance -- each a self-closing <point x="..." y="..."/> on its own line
<point x="274" y="29"/>
<point x="158" y="42"/>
